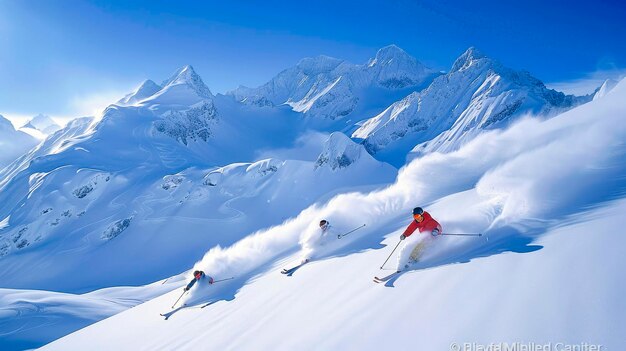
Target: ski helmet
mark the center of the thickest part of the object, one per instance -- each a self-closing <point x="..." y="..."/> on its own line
<point x="418" y="210"/>
<point x="197" y="274"/>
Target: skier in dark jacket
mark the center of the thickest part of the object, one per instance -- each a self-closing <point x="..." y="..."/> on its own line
<point x="197" y="275"/>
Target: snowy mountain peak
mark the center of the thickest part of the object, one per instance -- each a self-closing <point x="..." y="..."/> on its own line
<point x="394" y="68"/>
<point x="388" y="53"/>
<point x="467" y="59"/>
<point x="42" y="123"/>
<point x="186" y="75"/>
<point x="330" y="89"/>
<point x="478" y="93"/>
<point x="605" y="88"/>
<point x="148" y="86"/>
<point x="339" y="152"/>
<point x="318" y="64"/>
<point x="5" y="124"/>
<point x="145" y="90"/>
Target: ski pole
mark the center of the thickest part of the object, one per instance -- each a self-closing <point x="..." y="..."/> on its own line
<point x="353" y="230"/>
<point x="463" y="234"/>
<point x="181" y="295"/>
<point x="221" y="280"/>
<point x="394" y="249"/>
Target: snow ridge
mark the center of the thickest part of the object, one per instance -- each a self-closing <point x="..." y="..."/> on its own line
<point x="188" y="77"/>
<point x="145" y="90"/>
<point x="327" y="88"/>
<point x="605" y="88"/>
<point x="339" y="152"/>
<point x="477" y="94"/>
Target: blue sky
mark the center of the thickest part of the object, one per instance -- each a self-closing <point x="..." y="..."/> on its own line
<point x="69" y="58"/>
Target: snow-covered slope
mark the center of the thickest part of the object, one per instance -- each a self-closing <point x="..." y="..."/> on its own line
<point x="477" y="94"/>
<point x="552" y="251"/>
<point x="31" y="318"/>
<point x="43" y="124"/>
<point x="13" y="143"/>
<point x="327" y="89"/>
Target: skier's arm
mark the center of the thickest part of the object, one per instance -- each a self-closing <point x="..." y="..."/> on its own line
<point x="409" y="230"/>
<point x="433" y="226"/>
<point x="191" y="283"/>
<point x="210" y="279"/>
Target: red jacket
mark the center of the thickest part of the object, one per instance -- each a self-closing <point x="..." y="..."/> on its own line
<point x="428" y="224"/>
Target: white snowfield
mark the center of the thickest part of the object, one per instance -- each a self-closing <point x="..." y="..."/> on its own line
<point x="44" y="315"/>
<point x="548" y="195"/>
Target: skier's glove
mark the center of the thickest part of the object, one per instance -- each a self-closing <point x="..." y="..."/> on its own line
<point x="210" y="280"/>
<point x="435" y="232"/>
<point x="185" y="288"/>
<point x="402" y="237"/>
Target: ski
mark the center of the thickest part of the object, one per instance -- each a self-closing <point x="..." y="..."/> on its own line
<point x="170" y="313"/>
<point x="384" y="279"/>
<point x="208" y="304"/>
<point x="294" y="268"/>
<point x="289" y="270"/>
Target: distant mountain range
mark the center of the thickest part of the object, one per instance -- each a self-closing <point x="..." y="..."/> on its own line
<point x="42" y="123"/>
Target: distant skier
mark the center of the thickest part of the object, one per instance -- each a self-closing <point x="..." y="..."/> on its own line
<point x="197" y="275"/>
<point x="316" y="241"/>
<point x="415" y="244"/>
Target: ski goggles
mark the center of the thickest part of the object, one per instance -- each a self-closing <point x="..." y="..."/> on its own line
<point x="418" y="217"/>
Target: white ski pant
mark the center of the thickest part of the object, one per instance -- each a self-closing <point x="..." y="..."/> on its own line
<point x="409" y="244"/>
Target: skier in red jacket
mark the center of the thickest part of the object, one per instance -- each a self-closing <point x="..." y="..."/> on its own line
<point x="414" y="245"/>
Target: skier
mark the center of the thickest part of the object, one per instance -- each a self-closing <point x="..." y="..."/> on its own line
<point x="197" y="275"/>
<point x="413" y="246"/>
<point x="317" y="240"/>
<point x="317" y="243"/>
